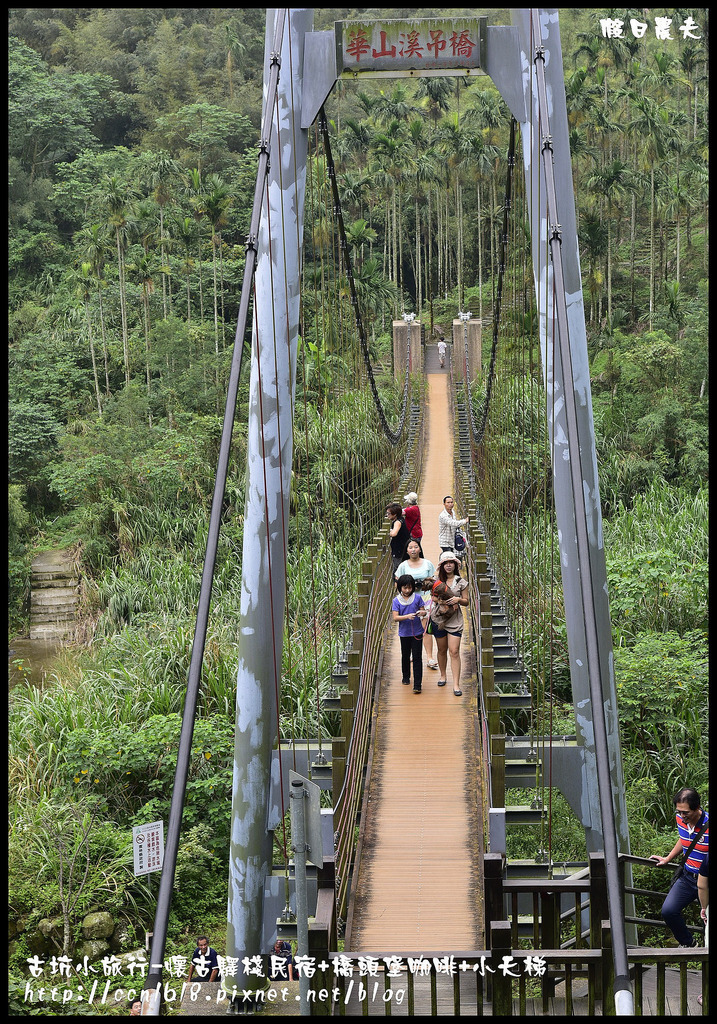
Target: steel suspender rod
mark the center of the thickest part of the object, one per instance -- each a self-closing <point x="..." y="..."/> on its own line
<point x="164" y="898"/>
<point x="623" y="990"/>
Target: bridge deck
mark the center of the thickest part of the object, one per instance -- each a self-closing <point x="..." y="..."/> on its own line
<point x="419" y="882"/>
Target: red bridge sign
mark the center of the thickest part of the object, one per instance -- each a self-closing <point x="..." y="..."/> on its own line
<point x="445" y="46"/>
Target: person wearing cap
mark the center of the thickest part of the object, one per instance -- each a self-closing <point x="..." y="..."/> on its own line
<point x="412" y="515"/>
<point x="448" y="524"/>
<point x="447" y="619"/>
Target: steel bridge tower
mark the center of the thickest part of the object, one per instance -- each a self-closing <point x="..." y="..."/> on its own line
<point x="525" y="62"/>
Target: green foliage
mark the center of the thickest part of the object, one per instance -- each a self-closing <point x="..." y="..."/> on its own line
<point x="66" y="857"/>
<point x="660" y="676"/>
<point x="201" y="880"/>
<point x="33" y="439"/>
<point x="657" y="562"/>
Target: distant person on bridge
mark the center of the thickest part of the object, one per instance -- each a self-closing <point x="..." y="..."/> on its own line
<point x="421" y="569"/>
<point x="398" y="533"/>
<point x="412" y="515"/>
<point x="448" y="524"/>
<point x="408" y="612"/>
<point x="442" y="351"/>
<point x="694" y="836"/>
<point x="447" y="619"/>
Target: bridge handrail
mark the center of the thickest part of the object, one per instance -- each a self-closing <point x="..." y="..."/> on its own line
<point x="364" y="666"/>
<point x="501" y="975"/>
<point x="475" y="552"/>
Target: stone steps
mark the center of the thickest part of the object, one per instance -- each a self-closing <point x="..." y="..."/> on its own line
<point x="53" y="595"/>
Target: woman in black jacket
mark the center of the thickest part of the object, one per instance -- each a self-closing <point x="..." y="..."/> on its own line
<point x="399" y="533"/>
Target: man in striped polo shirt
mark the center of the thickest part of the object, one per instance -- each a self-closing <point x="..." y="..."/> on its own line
<point x="691" y="821"/>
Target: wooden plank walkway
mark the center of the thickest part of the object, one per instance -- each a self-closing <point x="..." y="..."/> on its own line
<point x="419" y="881"/>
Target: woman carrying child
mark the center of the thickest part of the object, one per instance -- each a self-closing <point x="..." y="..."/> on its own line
<point x="447" y="619"/>
<point x="408" y="610"/>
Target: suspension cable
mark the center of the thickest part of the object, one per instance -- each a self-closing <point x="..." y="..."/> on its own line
<point x="394" y="436"/>
<point x="477" y="431"/>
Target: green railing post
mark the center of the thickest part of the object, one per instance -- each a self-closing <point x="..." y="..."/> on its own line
<point x="348" y="703"/>
<point x="323" y="936"/>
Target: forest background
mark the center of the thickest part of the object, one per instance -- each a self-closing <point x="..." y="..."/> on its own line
<point x="132" y="163"/>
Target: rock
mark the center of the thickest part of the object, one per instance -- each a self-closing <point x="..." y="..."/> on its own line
<point x="99" y="925"/>
<point x="47" y="937"/>
<point x="122" y="936"/>
<point x="93" y="949"/>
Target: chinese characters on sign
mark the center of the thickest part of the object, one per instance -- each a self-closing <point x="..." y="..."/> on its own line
<point x="351" y="981"/>
<point x="613" y="28"/>
<point x="148" y="846"/>
<point x="417" y="44"/>
<point x="110" y="966"/>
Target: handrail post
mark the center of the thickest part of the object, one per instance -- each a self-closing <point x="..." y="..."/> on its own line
<point x="500" y="942"/>
<point x="598" y="908"/>
<point x="608" y="970"/>
<point x="348" y="704"/>
<point x="323" y="935"/>
<point x="338" y="762"/>
<point x="493" y="864"/>
<point x="497" y="762"/>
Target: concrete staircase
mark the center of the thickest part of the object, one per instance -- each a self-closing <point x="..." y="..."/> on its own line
<point x="53" y="596"/>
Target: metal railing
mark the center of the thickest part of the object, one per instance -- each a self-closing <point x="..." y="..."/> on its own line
<point x="351" y="750"/>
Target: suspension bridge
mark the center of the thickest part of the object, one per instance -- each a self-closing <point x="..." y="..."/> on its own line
<point x="407" y="860"/>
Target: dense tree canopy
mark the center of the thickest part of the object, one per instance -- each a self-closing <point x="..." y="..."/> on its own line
<point x="132" y="153"/>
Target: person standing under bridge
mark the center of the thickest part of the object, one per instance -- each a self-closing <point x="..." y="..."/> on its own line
<point x="693" y="840"/>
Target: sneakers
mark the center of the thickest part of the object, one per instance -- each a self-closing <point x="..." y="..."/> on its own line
<point x="432" y="663"/>
<point x="406" y="682"/>
<point x="416" y="689"/>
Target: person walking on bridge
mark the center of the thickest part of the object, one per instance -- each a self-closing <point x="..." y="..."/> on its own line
<point x="421" y="569"/>
<point x="447" y="620"/>
<point x="398" y="533"/>
<point x="412" y="515"/>
<point x="448" y="524"/>
<point x="408" y="611"/>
